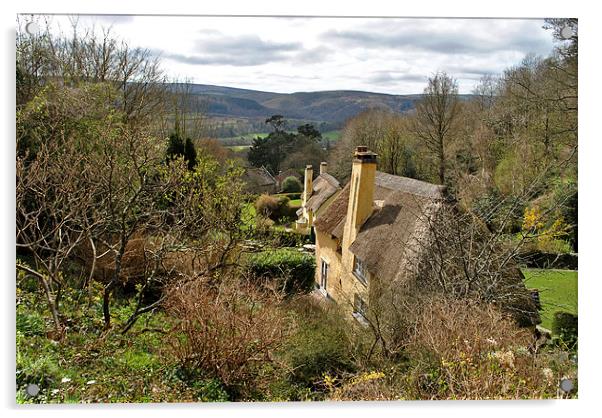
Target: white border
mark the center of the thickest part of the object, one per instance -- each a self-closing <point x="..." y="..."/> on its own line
<point x="589" y="187"/>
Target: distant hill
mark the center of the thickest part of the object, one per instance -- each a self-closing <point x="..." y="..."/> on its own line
<point x="328" y="109"/>
<point x="322" y="106"/>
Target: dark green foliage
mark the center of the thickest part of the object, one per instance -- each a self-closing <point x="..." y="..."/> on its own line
<point x="291" y="269"/>
<point x="273" y="149"/>
<point x="178" y="147"/>
<point x="309" y="131"/>
<point x="565" y="326"/>
<point x="291" y="196"/>
<point x="320" y="346"/>
<point x="280" y="238"/>
<point x="291" y="185"/>
<point x="285" y="212"/>
<point x="205" y="390"/>
<point x="499" y="212"/>
<point x="190" y="154"/>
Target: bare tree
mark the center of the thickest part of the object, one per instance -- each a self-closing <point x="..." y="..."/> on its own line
<point x="436" y="114"/>
<point x="86" y="57"/>
<point x="55" y="186"/>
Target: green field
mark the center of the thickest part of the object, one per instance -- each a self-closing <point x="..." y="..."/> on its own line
<point x="557" y="291"/>
<point x="249" y="137"/>
<point x="331" y="135"/>
<point x="239" y="148"/>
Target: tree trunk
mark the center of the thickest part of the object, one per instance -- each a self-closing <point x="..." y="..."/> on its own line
<point x="106" y="299"/>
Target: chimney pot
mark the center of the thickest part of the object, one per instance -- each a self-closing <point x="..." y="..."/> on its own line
<point x="363" y="155"/>
<point x="323" y="167"/>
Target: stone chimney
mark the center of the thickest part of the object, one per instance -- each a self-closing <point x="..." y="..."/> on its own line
<point x="308" y="184"/>
<point x="323" y="167"/>
<point x="307" y="191"/>
<point x="361" y="197"/>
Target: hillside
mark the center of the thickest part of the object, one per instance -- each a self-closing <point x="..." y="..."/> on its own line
<point x="332" y="107"/>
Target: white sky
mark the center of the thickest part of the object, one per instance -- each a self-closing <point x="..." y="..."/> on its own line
<point x="309" y="54"/>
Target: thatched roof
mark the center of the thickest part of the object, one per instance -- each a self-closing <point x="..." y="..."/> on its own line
<point x="324" y="186"/>
<point x="288" y="173"/>
<point x="334" y="215"/>
<point x="382" y="241"/>
<point x="258" y="176"/>
<point x="391" y="236"/>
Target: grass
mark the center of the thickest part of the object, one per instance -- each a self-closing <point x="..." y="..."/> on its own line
<point x="249" y="137"/>
<point x="239" y="148"/>
<point x="331" y="135"/>
<point x="92" y="366"/>
<point x="557" y="291"/>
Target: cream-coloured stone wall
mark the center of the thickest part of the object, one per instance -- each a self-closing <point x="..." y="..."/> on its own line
<point x="342" y="284"/>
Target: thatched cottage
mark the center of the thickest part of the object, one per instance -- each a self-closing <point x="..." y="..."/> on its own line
<point x="259" y="180"/>
<point x="371" y="236"/>
<point x="316" y="195"/>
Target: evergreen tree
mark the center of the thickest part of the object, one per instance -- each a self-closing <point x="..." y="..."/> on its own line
<point x="176" y="146"/>
<point x="190" y="154"/>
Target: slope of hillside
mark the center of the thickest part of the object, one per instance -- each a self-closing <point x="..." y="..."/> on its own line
<point x="323" y="106"/>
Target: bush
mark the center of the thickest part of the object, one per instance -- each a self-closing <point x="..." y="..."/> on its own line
<point x="267" y="205"/>
<point x="225" y="332"/>
<point x="320" y="345"/>
<point x="291" y="196"/>
<point x="291" y="184"/>
<point x="277" y="238"/>
<point x="276" y="208"/>
<point x="565" y="327"/>
<point x="463" y="349"/>
<point x="290" y="270"/>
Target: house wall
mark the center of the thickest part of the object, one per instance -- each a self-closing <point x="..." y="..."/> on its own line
<point x="342" y="284"/>
<point x="326" y="249"/>
<point x="360" y="207"/>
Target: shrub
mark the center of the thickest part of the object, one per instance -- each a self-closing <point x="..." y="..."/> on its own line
<point x="321" y="344"/>
<point x="291" y="196"/>
<point x="277" y="237"/>
<point x="290" y="270"/>
<point x="465" y="350"/>
<point x="564" y="326"/>
<point x="225" y="331"/>
<point x="291" y="184"/>
<point x="276" y="208"/>
<point x="266" y="205"/>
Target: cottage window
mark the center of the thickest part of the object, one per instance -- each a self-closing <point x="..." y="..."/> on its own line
<point x="359" y="270"/>
<point x="323" y="275"/>
<point x="360" y="307"/>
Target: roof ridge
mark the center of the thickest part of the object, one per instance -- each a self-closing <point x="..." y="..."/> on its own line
<point x="409" y="185"/>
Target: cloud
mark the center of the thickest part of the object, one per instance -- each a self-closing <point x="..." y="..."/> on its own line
<point x="380" y="77"/>
<point x="244" y="50"/>
<point x="314" y="55"/>
<point x="449" y="37"/>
